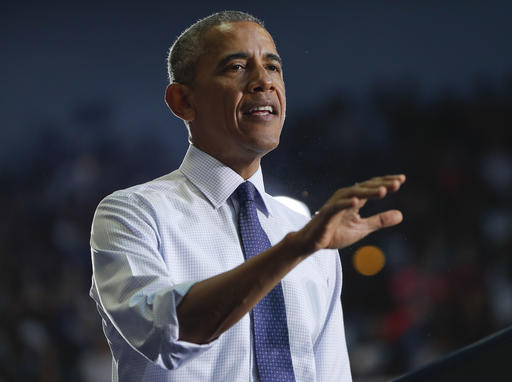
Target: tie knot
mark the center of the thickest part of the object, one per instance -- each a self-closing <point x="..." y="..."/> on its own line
<point x="246" y="191"/>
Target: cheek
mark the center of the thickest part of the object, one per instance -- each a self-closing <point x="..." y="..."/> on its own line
<point x="233" y="104"/>
<point x="282" y="99"/>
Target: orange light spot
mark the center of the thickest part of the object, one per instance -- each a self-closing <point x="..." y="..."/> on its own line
<point x="368" y="260"/>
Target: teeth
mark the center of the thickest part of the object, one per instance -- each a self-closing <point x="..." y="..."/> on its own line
<point x="262" y="108"/>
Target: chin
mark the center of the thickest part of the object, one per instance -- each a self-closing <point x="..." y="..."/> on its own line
<point x="264" y="145"/>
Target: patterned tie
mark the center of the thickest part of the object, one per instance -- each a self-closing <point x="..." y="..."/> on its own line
<point x="271" y="341"/>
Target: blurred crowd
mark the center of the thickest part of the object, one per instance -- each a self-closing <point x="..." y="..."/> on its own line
<point x="447" y="281"/>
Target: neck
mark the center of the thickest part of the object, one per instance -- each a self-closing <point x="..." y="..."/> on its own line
<point x="245" y="166"/>
<point x="245" y="170"/>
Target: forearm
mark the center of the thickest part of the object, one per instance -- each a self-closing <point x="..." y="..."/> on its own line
<point x="214" y="305"/>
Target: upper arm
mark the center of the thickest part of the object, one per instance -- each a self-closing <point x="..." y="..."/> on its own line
<point x="132" y="284"/>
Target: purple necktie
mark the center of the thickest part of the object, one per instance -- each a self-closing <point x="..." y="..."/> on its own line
<point x="271" y="341"/>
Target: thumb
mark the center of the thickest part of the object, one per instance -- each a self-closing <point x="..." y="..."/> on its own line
<point x="384" y="219"/>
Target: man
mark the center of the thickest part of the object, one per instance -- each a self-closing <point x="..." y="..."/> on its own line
<point x="188" y="286"/>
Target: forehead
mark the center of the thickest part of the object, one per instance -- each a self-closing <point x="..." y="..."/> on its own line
<point x="242" y="36"/>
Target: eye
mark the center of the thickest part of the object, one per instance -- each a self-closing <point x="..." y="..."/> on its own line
<point x="235" y="67"/>
<point x="274" y="68"/>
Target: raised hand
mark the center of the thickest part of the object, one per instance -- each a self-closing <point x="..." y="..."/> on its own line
<point x="338" y="223"/>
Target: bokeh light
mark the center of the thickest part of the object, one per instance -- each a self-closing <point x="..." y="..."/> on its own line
<point x="369" y="260"/>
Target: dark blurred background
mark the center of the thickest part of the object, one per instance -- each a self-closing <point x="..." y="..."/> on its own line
<point x="373" y="87"/>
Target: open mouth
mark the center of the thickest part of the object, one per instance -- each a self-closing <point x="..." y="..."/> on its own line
<point x="261" y="111"/>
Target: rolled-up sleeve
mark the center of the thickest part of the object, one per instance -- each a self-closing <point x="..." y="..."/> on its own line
<point x="133" y="286"/>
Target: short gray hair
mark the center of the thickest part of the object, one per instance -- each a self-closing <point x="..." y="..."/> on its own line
<point x="184" y="53"/>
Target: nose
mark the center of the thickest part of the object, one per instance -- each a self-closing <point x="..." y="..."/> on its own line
<point x="260" y="80"/>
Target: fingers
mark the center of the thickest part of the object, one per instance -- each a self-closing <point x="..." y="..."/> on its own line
<point x="374" y="188"/>
<point x="366" y="192"/>
<point x="383" y="220"/>
<point x="400" y="177"/>
<point x="331" y="209"/>
<point x="391" y="182"/>
<point x="357" y="195"/>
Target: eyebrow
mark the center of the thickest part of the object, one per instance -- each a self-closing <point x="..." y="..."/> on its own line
<point x="243" y="55"/>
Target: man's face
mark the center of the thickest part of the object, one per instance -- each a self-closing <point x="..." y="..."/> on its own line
<point x="238" y="93"/>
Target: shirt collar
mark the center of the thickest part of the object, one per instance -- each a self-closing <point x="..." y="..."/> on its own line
<point x="217" y="181"/>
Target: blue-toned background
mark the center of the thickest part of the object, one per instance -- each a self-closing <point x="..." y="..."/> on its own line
<point x="373" y="87"/>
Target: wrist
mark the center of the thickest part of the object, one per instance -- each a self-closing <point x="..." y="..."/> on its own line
<point x="296" y="245"/>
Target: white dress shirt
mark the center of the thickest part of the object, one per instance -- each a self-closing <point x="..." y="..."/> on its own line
<point x="150" y="243"/>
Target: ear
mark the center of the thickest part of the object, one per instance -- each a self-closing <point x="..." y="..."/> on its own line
<point x="177" y="97"/>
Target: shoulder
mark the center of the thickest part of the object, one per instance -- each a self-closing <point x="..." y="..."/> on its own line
<point x="150" y="197"/>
